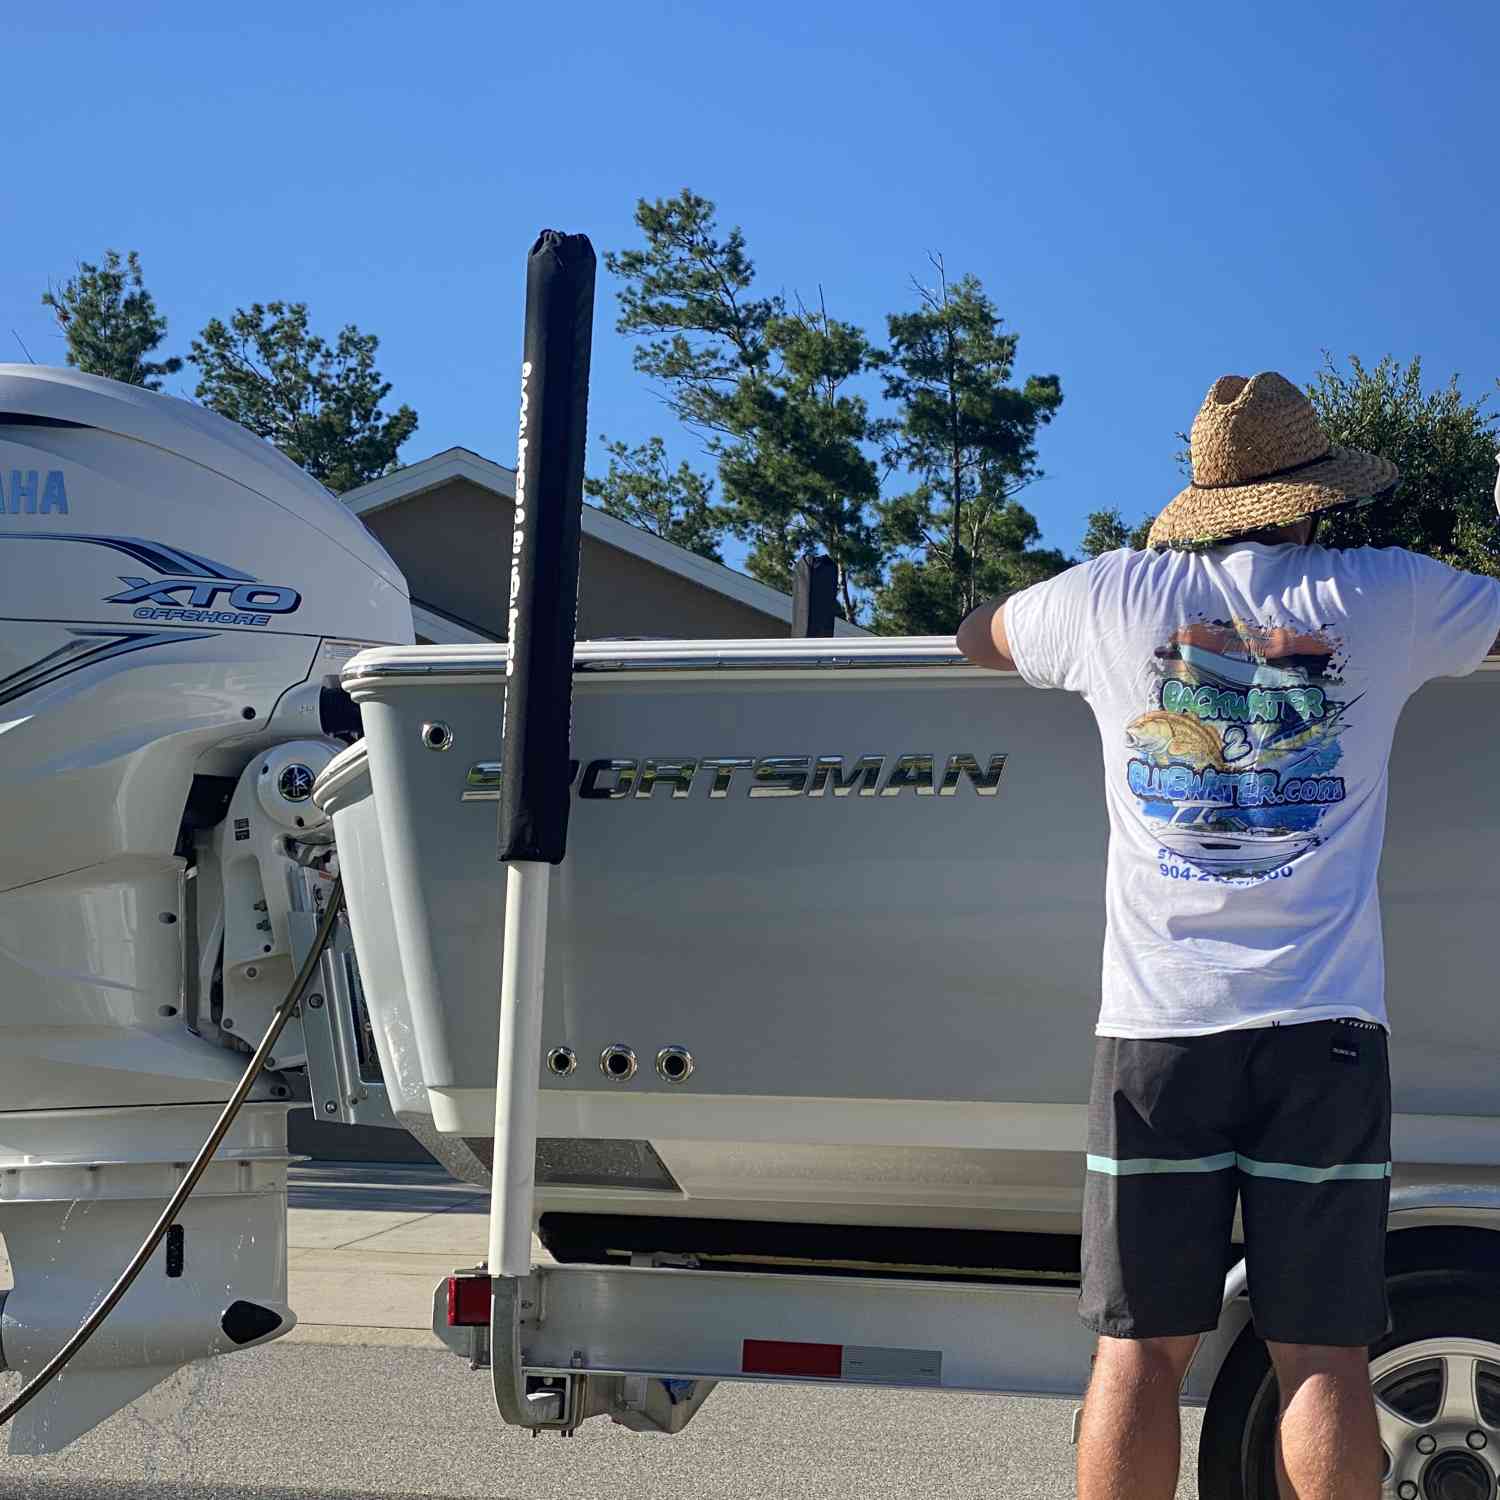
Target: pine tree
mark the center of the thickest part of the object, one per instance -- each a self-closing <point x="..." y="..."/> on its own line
<point x="110" y="322"/>
<point x="768" y="387"/>
<point x="687" y="294"/>
<point x="674" y="504"/>
<point x="968" y="436"/>
<point x="797" y="477"/>
<point x="319" y="403"/>
<point x="1107" y="532"/>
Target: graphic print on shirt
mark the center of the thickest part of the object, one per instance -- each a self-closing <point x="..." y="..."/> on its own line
<point x="1233" y="766"/>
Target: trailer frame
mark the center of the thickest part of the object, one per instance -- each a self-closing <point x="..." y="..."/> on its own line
<point x="645" y="1343"/>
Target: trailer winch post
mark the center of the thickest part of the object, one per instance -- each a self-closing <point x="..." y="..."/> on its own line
<point x="536" y="728"/>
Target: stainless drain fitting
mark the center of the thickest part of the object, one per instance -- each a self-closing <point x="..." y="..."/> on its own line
<point x="617" y="1062"/>
<point x="675" y="1064"/>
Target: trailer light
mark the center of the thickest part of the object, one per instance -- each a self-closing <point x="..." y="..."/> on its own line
<point x="468" y="1301"/>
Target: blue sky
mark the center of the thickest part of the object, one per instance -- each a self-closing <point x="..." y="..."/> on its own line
<point x="1153" y="194"/>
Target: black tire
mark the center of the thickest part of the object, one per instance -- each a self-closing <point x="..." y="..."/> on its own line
<point x="1236" y="1454"/>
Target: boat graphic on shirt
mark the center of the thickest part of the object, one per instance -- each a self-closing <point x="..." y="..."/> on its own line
<point x="1233" y="764"/>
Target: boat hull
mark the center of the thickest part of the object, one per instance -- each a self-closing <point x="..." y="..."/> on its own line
<point x="1237" y="672"/>
<point x="888" y="995"/>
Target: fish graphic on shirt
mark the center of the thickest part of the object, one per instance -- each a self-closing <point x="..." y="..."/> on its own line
<point x="1165" y="738"/>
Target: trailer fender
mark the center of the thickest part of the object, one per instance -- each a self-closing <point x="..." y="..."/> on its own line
<point x="1430" y="1205"/>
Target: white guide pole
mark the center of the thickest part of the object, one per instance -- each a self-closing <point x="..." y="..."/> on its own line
<point x="537" y="719"/>
<point x="523" y="970"/>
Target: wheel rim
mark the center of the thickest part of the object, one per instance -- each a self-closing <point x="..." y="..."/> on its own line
<point x="1438" y="1405"/>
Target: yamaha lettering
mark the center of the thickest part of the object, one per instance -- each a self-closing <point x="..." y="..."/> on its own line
<point x="30" y="493"/>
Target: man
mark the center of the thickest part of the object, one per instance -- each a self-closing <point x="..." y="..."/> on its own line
<point x="1246" y="684"/>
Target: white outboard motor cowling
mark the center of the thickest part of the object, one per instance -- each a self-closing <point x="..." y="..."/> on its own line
<point x="176" y="595"/>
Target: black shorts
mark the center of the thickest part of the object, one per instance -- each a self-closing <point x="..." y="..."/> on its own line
<point x="1295" y="1122"/>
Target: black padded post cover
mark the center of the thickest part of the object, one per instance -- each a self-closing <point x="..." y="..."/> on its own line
<point x="814" y="596"/>
<point x="543" y="572"/>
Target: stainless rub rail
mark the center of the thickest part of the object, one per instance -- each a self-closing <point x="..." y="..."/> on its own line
<point x="675" y="656"/>
<point x="764" y="663"/>
<point x="601" y="658"/>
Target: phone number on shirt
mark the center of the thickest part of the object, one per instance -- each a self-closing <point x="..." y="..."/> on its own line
<point x="1178" y="871"/>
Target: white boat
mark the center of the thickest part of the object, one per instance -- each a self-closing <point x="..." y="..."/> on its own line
<point x="1247" y="657"/>
<point x="1217" y="840"/>
<point x="1238" y="671"/>
<point x="885" y="977"/>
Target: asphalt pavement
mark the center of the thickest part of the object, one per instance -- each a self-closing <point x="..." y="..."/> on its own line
<point x="361" y="1401"/>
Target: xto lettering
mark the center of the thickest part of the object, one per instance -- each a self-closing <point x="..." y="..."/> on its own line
<point x="204" y="593"/>
<point x="197" y="601"/>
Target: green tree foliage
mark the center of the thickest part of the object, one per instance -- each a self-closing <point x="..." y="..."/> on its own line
<point x="766" y="385"/>
<point x="918" y="598"/>
<point x="796" y="477"/>
<point x="968" y="436"/>
<point x="1107" y="532"/>
<point x="674" y="504"/>
<point x="318" y="402"/>
<point x="687" y="295"/>
<point x="110" y="322"/>
<point x="1444" y="446"/>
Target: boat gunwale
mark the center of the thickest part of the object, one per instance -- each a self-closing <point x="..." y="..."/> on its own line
<point x="905" y="656"/>
<point x="609" y="658"/>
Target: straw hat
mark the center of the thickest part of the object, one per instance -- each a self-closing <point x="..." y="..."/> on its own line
<point x="1261" y="459"/>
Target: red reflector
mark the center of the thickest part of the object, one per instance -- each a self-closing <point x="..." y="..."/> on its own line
<point x="468" y="1301"/>
<point x="783" y="1357"/>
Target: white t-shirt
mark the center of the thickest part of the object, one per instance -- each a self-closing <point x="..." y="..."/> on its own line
<point x="1246" y="697"/>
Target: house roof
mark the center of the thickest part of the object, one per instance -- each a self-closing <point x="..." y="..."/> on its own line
<point x="445" y="629"/>
<point x="460" y="463"/>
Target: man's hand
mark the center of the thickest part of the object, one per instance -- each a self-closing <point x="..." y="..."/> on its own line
<point x="982" y="637"/>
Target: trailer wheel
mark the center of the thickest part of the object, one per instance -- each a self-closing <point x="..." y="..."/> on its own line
<point x="1436" y="1377"/>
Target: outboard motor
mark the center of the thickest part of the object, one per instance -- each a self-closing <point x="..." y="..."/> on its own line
<point x="178" y="599"/>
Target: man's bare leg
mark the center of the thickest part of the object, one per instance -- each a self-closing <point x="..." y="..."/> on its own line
<point x="1130" y="1445"/>
<point x="1329" y="1445"/>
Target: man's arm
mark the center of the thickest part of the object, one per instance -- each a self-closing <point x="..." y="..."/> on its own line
<point x="981" y="637"/>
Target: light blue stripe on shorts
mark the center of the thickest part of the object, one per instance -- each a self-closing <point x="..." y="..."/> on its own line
<point x="1354" y="1171"/>
<point x="1136" y="1166"/>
